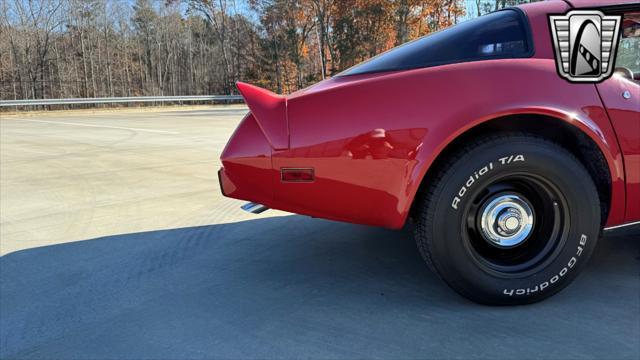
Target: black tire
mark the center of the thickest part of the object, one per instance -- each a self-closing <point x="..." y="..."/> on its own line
<point x="519" y="179"/>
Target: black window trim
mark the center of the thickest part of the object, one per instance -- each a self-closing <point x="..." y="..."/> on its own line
<point x="617" y="9"/>
<point x="523" y="18"/>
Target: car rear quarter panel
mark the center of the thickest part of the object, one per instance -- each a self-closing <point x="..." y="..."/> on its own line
<point x="372" y="138"/>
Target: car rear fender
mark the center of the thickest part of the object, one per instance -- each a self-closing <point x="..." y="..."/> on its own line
<point x="596" y="127"/>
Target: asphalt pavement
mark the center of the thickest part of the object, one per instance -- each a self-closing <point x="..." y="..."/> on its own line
<point x="116" y="244"/>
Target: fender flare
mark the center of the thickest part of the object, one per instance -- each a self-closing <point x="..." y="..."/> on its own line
<point x="604" y="138"/>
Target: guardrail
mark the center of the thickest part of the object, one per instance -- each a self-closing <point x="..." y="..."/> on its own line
<point x="113" y="100"/>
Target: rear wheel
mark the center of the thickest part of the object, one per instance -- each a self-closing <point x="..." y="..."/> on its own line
<point x="510" y="220"/>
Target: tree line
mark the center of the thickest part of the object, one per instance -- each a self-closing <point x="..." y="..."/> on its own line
<point x="106" y="48"/>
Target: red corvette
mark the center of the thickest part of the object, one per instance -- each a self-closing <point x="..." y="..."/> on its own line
<point x="508" y="171"/>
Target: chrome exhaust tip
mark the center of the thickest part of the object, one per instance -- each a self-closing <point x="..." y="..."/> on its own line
<point x="254" y="208"/>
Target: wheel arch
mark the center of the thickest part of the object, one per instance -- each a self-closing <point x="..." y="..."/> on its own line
<point x="596" y="148"/>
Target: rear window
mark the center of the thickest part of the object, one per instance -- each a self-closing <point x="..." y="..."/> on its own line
<point x="502" y="34"/>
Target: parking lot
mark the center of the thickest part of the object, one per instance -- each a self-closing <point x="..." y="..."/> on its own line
<point x="116" y="243"/>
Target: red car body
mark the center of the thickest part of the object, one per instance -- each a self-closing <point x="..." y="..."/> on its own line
<point x="365" y="143"/>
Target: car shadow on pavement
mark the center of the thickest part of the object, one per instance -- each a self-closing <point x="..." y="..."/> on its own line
<point x="290" y="287"/>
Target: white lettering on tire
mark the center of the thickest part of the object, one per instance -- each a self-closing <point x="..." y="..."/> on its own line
<point x="481" y="172"/>
<point x="545" y="284"/>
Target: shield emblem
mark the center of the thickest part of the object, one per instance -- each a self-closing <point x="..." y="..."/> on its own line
<point x="585" y="43"/>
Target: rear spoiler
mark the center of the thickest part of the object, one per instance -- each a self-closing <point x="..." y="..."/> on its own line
<point x="270" y="111"/>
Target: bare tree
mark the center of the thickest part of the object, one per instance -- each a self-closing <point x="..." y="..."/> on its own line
<point x="29" y="27"/>
<point x="94" y="48"/>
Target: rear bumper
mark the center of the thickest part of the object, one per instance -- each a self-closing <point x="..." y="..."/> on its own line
<point x="246" y="172"/>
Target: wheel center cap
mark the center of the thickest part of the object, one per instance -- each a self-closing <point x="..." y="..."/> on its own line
<point x="507" y="221"/>
<point x="512" y="223"/>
